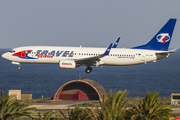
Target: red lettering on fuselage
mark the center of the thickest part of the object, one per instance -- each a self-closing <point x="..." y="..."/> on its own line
<point x="44" y="56"/>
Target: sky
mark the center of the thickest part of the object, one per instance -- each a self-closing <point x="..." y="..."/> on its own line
<point x="90" y="23"/>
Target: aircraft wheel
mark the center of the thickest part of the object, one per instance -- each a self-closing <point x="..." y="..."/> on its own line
<point x="88" y="69"/>
<point x="19" y="67"/>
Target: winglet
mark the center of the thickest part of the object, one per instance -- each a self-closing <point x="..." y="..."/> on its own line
<point x="116" y="43"/>
<point x="108" y="49"/>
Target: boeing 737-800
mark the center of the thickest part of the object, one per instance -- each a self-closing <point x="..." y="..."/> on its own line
<point x="72" y="57"/>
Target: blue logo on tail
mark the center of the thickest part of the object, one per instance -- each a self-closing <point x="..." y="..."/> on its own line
<point x="162" y="39"/>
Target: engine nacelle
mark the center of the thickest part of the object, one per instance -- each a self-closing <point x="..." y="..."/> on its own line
<point x="68" y="64"/>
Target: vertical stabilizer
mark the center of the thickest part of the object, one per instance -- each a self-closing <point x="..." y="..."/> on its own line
<point x="162" y="39"/>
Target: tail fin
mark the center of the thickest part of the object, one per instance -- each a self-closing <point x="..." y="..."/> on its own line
<point x="162" y="39"/>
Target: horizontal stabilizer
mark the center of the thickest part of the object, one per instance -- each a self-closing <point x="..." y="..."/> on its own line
<point x="170" y="51"/>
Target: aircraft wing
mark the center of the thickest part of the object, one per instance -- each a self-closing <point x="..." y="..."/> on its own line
<point x="93" y="60"/>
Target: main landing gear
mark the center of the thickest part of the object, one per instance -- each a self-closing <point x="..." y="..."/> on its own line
<point x="88" y="69"/>
<point x="19" y="67"/>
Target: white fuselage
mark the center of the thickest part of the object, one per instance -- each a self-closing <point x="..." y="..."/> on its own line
<point x="52" y="55"/>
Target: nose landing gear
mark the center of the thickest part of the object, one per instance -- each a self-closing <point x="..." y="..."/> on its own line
<point x="17" y="63"/>
<point x="88" y="69"/>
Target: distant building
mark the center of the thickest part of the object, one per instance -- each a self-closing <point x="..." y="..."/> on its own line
<point x="17" y="94"/>
<point x="82" y="89"/>
<point x="175" y="99"/>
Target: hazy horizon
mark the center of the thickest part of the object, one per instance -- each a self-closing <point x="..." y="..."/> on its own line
<point x="87" y="23"/>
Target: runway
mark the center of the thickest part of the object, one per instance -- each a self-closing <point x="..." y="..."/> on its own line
<point x="57" y="105"/>
<point x="65" y="104"/>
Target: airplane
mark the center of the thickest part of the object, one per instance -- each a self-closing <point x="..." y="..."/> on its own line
<point x="73" y="57"/>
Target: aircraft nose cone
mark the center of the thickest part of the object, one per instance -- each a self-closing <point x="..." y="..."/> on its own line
<point x="4" y="56"/>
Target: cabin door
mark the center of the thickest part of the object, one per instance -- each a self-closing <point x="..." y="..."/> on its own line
<point x="142" y="56"/>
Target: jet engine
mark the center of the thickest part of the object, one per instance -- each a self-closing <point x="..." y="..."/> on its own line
<point x="68" y="64"/>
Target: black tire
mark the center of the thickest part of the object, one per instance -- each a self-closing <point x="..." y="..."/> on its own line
<point x="88" y="69"/>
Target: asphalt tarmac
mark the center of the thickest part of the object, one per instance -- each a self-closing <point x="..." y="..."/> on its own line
<point x="65" y="104"/>
<point x="57" y="105"/>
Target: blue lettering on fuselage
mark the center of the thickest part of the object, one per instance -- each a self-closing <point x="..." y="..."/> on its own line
<point x="38" y="51"/>
<point x="58" y="53"/>
<point x="71" y="54"/>
<point x="65" y="53"/>
<point x="45" y="52"/>
<point x="53" y="52"/>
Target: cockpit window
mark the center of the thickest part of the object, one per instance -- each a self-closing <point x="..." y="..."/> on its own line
<point x="12" y="51"/>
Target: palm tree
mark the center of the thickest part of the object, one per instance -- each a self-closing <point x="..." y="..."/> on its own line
<point x="112" y="107"/>
<point x="75" y="114"/>
<point x="150" y="108"/>
<point x="10" y="108"/>
<point x="47" y="116"/>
